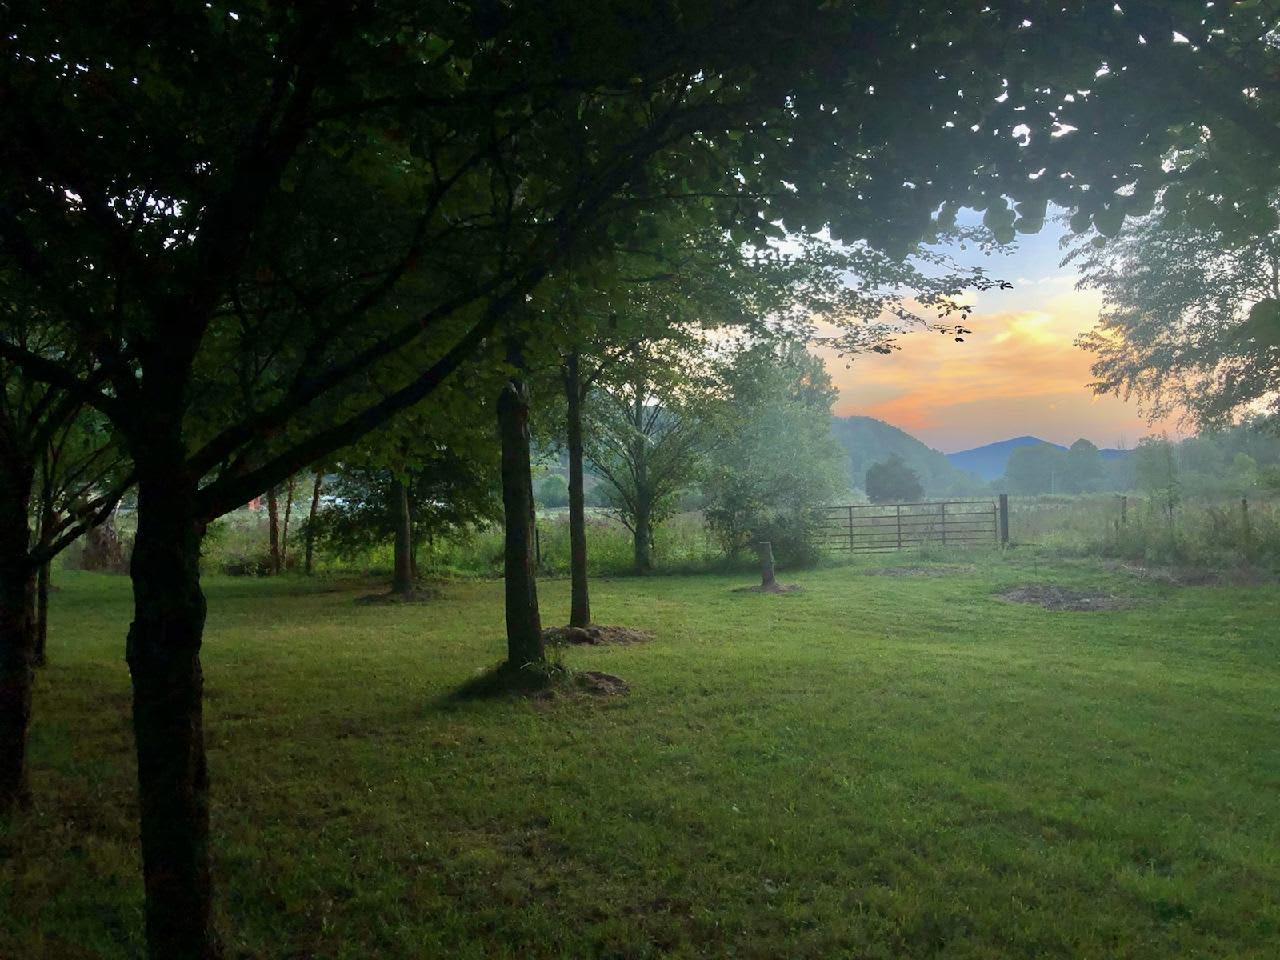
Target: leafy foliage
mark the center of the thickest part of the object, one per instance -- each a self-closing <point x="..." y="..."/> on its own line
<point x="892" y="481"/>
<point x="775" y="464"/>
<point x="1190" y="319"/>
<point x="447" y="493"/>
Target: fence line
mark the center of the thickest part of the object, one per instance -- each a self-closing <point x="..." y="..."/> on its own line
<point x="876" y="528"/>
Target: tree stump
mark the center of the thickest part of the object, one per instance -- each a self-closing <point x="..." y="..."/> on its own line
<point x="764" y="549"/>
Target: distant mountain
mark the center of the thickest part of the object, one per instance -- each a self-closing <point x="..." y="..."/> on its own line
<point x="989" y="461"/>
<point x="869" y="441"/>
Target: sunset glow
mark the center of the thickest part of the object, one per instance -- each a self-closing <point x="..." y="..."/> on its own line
<point x="1019" y="373"/>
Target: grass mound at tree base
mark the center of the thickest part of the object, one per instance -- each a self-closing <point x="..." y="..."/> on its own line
<point x="595" y="635"/>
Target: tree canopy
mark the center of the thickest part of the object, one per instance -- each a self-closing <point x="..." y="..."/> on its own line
<point x="1190" y="320"/>
<point x="892" y="481"/>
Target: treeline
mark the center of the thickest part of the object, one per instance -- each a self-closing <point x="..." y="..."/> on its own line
<point x="744" y="443"/>
<point x="1234" y="462"/>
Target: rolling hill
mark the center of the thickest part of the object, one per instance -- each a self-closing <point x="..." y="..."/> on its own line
<point x="989" y="460"/>
<point x="868" y="441"/>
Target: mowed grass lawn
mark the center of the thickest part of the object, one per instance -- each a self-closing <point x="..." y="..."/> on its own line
<point x="879" y="766"/>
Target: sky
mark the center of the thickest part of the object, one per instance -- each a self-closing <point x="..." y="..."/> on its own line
<point x="1018" y="374"/>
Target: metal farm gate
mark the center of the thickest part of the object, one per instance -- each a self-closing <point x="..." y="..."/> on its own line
<point x="874" y="528"/>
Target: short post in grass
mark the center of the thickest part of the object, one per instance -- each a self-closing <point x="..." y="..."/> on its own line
<point x="1004" y="519"/>
<point x="765" y="551"/>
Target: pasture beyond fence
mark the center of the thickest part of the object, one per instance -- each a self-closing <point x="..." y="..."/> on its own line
<point x="878" y="528"/>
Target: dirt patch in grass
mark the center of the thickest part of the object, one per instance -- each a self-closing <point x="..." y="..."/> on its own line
<point x="418" y="595"/>
<point x="1196" y="576"/>
<point x="1062" y="598"/>
<point x="595" y="635"/>
<point x="771" y="588"/>
<point x="601" y="684"/>
<point x="920" y="571"/>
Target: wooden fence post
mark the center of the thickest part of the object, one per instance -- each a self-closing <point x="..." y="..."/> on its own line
<point x="899" y="526"/>
<point x="1004" y="519"/>
<point x="942" y="510"/>
<point x="851" y="529"/>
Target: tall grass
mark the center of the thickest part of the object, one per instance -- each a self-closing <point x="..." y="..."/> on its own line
<point x="1219" y="533"/>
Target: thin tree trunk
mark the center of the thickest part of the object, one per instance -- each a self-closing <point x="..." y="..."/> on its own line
<point x="164" y="662"/>
<point x="580" y="599"/>
<point x="16" y="633"/>
<point x="643" y="532"/>
<point x="38" y="656"/>
<point x="273" y="527"/>
<point x="311" y="523"/>
<point x="402" y="577"/>
<point x="284" y="529"/>
<point x="524" y="624"/>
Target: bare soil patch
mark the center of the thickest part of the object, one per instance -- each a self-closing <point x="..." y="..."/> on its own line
<point x="1061" y="598"/>
<point x="595" y="635"/>
<point x="920" y="571"/>
<point x="771" y="588"/>
<point x="419" y="595"/>
<point x="601" y="684"/>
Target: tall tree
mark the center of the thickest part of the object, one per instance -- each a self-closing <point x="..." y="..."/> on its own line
<point x="1083" y="468"/>
<point x="775" y="463"/>
<point x="1190" y="320"/>
<point x="649" y="432"/>
<point x="893" y="481"/>
<point x="46" y="435"/>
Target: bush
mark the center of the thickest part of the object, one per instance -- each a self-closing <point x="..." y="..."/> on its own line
<point x="552" y="491"/>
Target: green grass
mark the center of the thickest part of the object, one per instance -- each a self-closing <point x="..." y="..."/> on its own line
<point x="876" y="767"/>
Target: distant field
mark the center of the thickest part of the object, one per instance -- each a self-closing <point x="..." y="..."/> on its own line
<point x="882" y="766"/>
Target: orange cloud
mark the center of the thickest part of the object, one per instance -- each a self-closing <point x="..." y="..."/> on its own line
<point x="1018" y="373"/>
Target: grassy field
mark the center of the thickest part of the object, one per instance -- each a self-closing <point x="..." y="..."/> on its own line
<point x="880" y="766"/>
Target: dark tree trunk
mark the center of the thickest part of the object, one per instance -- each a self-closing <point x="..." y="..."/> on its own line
<point x="643" y="540"/>
<point x="580" y="599"/>
<point x="48" y="517"/>
<point x="402" y="577"/>
<point x="311" y="523"/>
<point x="524" y="625"/>
<point x="42" y="615"/>
<point x="164" y="662"/>
<point x="273" y="527"/>
<point x="17" y="636"/>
